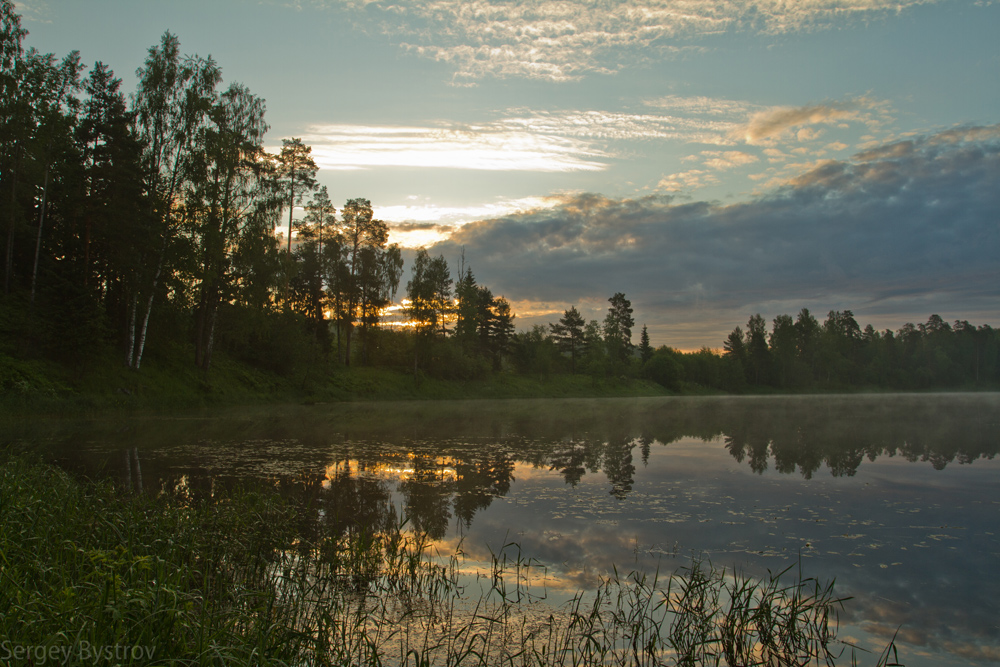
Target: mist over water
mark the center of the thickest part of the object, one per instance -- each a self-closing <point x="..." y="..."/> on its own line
<point x="895" y="497"/>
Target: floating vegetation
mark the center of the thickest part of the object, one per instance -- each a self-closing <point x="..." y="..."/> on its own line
<point x="86" y="572"/>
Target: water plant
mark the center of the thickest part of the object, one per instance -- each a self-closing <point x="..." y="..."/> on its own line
<point x="88" y="573"/>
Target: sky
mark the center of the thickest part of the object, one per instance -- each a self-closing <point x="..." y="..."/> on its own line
<point x="709" y="159"/>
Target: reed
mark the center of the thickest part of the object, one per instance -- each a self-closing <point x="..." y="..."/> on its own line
<point x="234" y="581"/>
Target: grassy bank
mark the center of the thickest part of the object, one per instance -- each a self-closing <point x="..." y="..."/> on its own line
<point x="96" y="577"/>
<point x="172" y="382"/>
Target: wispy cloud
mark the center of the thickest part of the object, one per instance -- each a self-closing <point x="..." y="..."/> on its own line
<point x="706" y="106"/>
<point x="35" y="10"/>
<point x="523" y="139"/>
<point x="722" y="160"/>
<point x="802" y="122"/>
<point x="685" y="181"/>
<point x="515" y="140"/>
<point x="565" y="39"/>
<point x="607" y="125"/>
<point x="779" y="135"/>
<point x="492" y="148"/>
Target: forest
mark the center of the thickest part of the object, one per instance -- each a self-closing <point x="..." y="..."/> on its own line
<point x="156" y="225"/>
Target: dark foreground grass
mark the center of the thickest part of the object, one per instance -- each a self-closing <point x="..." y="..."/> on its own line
<point x="90" y="576"/>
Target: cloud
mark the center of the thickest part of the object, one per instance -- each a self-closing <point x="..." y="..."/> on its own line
<point x="561" y="40"/>
<point x="775" y="123"/>
<point x="451" y="216"/>
<point x="422" y="224"/>
<point x="694" y="179"/>
<point x="903" y="230"/>
<point x="687" y="180"/>
<point x="490" y="148"/>
<point x="607" y="125"/>
<point x="35" y="10"/>
<point x="515" y="140"/>
<point x="522" y="139"/>
<point x="705" y="106"/>
<point x="722" y="160"/>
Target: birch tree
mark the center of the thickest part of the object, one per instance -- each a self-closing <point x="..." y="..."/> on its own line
<point x="227" y="185"/>
<point x="315" y="253"/>
<point x="429" y="293"/>
<point x="172" y="102"/>
<point x="38" y="111"/>
<point x="14" y="121"/>
<point x="55" y="113"/>
<point x="372" y="270"/>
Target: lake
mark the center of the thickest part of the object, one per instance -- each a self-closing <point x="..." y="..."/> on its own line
<point x="896" y="497"/>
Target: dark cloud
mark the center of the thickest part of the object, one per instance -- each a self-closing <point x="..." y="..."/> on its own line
<point x="902" y="230"/>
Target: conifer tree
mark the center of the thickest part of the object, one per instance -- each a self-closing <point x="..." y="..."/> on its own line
<point x="645" y="349"/>
<point x="568" y="335"/>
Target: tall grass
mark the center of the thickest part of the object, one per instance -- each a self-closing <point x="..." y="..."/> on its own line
<point x="234" y="580"/>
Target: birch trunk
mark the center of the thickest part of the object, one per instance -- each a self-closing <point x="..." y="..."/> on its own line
<point x="38" y="241"/>
<point x="130" y="330"/>
<point x="149" y="309"/>
<point x="9" y="263"/>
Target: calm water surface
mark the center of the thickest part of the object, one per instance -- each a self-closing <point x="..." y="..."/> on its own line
<point x="895" y="497"/>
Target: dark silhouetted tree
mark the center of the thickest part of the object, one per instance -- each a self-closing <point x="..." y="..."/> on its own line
<point x="568" y="335"/>
<point x="296" y="176"/>
<point x="372" y="270"/>
<point x="172" y="102"/>
<point x="645" y="349"/>
<point x="230" y="180"/>
<point x="429" y="293"/>
<point x="783" y="351"/>
<point x="758" y="354"/>
<point x="618" y="325"/>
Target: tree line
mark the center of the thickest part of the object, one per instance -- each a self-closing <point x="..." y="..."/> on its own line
<point x="802" y="354"/>
<point x="798" y="354"/>
<point x="147" y="223"/>
<point x="153" y="216"/>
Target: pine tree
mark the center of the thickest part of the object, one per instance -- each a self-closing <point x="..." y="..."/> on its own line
<point x="645" y="350"/>
<point x="618" y="328"/>
<point x="568" y="334"/>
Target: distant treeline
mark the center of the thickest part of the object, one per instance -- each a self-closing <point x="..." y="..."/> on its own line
<point x="802" y="354"/>
<point x="147" y="225"/>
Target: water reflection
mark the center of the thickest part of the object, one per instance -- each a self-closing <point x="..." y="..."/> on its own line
<point x="475" y="444"/>
<point x="895" y="497"/>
